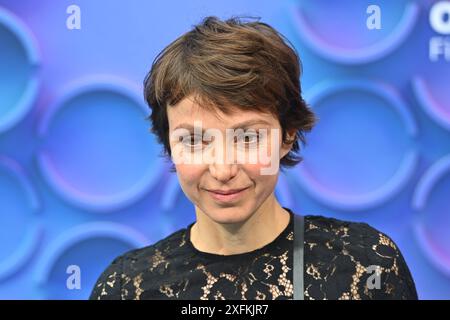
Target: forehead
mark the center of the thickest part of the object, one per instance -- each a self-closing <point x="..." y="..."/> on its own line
<point x="188" y="111"/>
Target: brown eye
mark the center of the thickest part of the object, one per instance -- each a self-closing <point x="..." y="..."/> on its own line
<point x="248" y="138"/>
<point x="192" y="140"/>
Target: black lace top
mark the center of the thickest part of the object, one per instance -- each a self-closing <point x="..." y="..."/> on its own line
<point x="343" y="260"/>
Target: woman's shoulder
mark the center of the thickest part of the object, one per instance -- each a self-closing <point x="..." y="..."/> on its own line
<point x="169" y="245"/>
<point x="358" y="239"/>
<point x="128" y="267"/>
<point x="332" y="223"/>
<point x="359" y="252"/>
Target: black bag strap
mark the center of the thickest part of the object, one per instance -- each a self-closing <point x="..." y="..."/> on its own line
<point x="299" y="230"/>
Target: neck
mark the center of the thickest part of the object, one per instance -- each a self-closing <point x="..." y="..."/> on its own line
<point x="261" y="228"/>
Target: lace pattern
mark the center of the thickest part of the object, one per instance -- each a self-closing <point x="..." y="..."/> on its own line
<point x="341" y="259"/>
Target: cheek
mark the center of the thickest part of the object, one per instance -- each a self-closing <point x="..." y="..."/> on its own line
<point x="270" y="149"/>
<point x="263" y="183"/>
<point x="189" y="175"/>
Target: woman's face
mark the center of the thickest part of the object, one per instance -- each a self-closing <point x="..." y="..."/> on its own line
<point x="209" y="161"/>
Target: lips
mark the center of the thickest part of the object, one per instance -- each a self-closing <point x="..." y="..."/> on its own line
<point x="227" y="195"/>
<point x="231" y="191"/>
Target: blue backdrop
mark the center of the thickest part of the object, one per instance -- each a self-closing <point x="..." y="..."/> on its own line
<point x="81" y="177"/>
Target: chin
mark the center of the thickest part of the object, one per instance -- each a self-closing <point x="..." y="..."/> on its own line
<point x="230" y="215"/>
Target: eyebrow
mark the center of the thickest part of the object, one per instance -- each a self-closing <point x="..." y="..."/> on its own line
<point x="242" y="125"/>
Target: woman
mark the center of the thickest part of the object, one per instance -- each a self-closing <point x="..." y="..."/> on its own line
<point x="222" y="95"/>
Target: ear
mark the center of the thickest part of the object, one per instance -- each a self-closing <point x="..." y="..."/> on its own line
<point x="286" y="147"/>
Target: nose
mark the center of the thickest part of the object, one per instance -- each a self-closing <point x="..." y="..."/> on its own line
<point x="223" y="166"/>
<point x="223" y="172"/>
<point x="223" y="169"/>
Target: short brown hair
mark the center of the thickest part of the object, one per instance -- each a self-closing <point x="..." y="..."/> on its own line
<point x="227" y="65"/>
